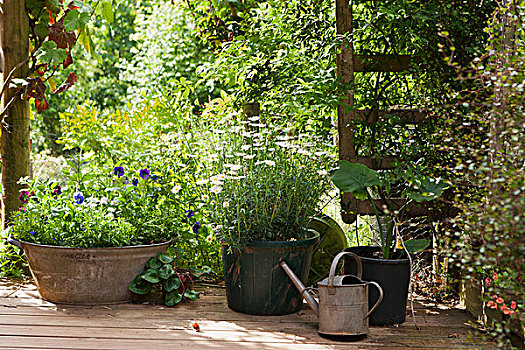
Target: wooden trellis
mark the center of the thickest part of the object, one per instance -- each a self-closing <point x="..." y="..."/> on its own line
<point x="348" y="64"/>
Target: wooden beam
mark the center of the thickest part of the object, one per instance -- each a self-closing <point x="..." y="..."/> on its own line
<point x="351" y="207"/>
<point x="15" y="141"/>
<point x="406" y="116"/>
<point x="384" y="63"/>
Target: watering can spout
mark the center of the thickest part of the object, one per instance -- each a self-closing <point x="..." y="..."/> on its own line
<point x="302" y="289"/>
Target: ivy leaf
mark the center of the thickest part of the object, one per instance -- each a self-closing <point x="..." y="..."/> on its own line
<point x="164" y="258"/>
<point x="171" y="284"/>
<point x="70" y="81"/>
<point x="139" y="286"/>
<point x="172" y="298"/>
<point x="154" y="263"/>
<point x="49" y="52"/>
<point x="353" y="178"/>
<point x="192" y="295"/>
<point x="166" y="271"/>
<point x="151" y="275"/>
<point x="76" y="20"/>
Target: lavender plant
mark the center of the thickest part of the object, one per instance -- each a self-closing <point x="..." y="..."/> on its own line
<point x="266" y="183"/>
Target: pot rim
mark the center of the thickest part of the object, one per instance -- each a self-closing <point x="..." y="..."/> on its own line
<point x="81" y="249"/>
<point x="285" y="244"/>
<point x="375" y="260"/>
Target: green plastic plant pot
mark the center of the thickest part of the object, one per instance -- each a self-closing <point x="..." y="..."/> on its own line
<point x="257" y="285"/>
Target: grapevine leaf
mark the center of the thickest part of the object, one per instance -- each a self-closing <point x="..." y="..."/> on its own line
<point x="49" y="52"/>
<point x="76" y="20"/>
<point x="70" y="81"/>
<point x="107" y="11"/>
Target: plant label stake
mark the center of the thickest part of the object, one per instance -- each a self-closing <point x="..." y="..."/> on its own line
<point x="343" y="300"/>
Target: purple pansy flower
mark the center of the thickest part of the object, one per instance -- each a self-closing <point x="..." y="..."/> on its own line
<point x="24" y="196"/>
<point x="79" y="197"/>
<point x="32" y="233"/>
<point x="144" y="173"/>
<point x="57" y="191"/>
<point x="196" y="226"/>
<point x="190" y="213"/>
<point x="135" y="181"/>
<point x="119" y="171"/>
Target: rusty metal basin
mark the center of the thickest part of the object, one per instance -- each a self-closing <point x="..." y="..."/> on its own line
<point x="86" y="276"/>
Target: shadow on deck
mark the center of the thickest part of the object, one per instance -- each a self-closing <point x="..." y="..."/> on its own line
<point x="27" y="322"/>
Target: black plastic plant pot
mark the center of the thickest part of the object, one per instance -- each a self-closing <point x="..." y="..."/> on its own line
<point x="255" y="282"/>
<point x="392" y="275"/>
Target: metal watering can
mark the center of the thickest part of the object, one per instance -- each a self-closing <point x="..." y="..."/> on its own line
<point x="343" y="300"/>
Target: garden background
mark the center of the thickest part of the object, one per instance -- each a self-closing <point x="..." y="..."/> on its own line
<point x="156" y="81"/>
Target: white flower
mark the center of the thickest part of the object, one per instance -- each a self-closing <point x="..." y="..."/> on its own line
<point x="270" y="162"/>
<point x="202" y="182"/>
<point x="246" y="147"/>
<point x="216" y="189"/>
<point x="213" y="202"/>
<point x="104" y="200"/>
<point x="225" y="205"/>
<point x="205" y="197"/>
<point x="322" y="172"/>
<point x="271" y="149"/>
<point x="319" y="154"/>
<point x="254" y="118"/>
<point x="209" y="239"/>
<point x="176" y="189"/>
<point x="240" y="155"/>
<point x="249" y="156"/>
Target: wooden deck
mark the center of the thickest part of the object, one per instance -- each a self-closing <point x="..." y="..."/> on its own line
<point x="27" y="322"/>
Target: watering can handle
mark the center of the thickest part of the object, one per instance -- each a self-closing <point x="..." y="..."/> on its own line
<point x="378" y="301"/>
<point x="334" y="266"/>
<point x="14" y="242"/>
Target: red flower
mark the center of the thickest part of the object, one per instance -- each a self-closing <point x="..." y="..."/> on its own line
<point x="491" y="304"/>
<point x="513" y="305"/>
<point x="487" y="281"/>
<point x="499" y="300"/>
<point x="494" y="276"/>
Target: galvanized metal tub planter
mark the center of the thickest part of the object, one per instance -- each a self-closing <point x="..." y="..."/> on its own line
<point x="392" y="275"/>
<point x="86" y="276"/>
<point x="255" y="282"/>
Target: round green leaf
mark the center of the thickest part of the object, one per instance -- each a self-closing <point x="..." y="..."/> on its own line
<point x="171" y="284"/>
<point x="154" y="263"/>
<point x="139" y="286"/>
<point x="151" y="275"/>
<point x="166" y="271"/>
<point x="172" y="298"/>
<point x="165" y="259"/>
<point x="192" y="295"/>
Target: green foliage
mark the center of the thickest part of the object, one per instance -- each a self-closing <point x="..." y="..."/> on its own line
<point x="358" y="179"/>
<point x="483" y="136"/>
<point x="283" y="57"/>
<point x="161" y="270"/>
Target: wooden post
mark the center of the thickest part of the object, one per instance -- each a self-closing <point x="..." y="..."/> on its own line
<point x="15" y="142"/>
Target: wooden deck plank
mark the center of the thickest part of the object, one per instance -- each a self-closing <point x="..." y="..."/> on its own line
<point x="27" y="322"/>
